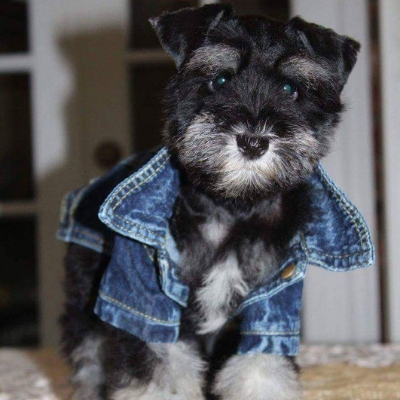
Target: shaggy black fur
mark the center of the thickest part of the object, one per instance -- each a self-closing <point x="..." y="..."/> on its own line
<point x="84" y="269"/>
<point x="249" y="113"/>
<point x="257" y="58"/>
<point x="123" y="356"/>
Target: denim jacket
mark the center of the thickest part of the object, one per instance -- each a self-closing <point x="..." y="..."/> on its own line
<point x="125" y="215"/>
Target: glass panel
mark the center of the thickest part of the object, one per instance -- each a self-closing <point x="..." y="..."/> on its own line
<point x="13" y="26"/>
<point x="18" y="283"/>
<point x="148" y="82"/>
<point x="279" y="9"/>
<point x="16" y="181"/>
<point x="142" y="34"/>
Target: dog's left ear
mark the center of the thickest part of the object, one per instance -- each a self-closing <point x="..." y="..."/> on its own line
<point x="340" y="51"/>
<point x="183" y="31"/>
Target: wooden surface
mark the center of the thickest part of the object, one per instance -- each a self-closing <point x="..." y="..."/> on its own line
<point x="348" y="373"/>
<point x="348" y="382"/>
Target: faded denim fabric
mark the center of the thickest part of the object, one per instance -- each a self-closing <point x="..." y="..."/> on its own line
<point x="141" y="292"/>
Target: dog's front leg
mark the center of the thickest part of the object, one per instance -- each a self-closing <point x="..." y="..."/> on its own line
<point x="177" y="375"/>
<point x="258" y="377"/>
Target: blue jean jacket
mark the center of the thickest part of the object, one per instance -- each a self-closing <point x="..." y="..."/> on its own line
<point x="125" y="215"/>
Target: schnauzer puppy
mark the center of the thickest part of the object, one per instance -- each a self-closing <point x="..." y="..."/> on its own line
<point x="219" y="225"/>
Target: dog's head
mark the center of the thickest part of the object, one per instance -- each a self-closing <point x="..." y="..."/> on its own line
<point x="253" y="105"/>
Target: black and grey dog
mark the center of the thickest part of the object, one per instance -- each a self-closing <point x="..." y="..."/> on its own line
<point x="249" y="114"/>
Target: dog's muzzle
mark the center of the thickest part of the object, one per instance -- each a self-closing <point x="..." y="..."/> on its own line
<point x="252" y="147"/>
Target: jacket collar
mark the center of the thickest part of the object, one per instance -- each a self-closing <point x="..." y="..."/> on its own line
<point x="140" y="206"/>
<point x="337" y="237"/>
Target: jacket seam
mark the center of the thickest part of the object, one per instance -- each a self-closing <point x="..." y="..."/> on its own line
<point x="151" y="256"/>
<point x="85" y="237"/>
<point x="347" y="208"/>
<point x="358" y="253"/>
<point x="262" y="296"/>
<point x="361" y="238"/>
<point x="134" y="311"/>
<point x="128" y="221"/>
<point x="89" y="241"/>
<point x="136" y="225"/>
<point x="98" y="239"/>
<point x="139" y="175"/>
<point x="307" y="250"/>
<point x="98" y="247"/>
<point x="304" y="246"/>
<point x="319" y="263"/>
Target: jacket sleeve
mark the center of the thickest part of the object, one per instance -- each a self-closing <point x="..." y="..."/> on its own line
<point x="272" y="324"/>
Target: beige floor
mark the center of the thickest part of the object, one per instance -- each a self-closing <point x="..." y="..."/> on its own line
<point x="348" y="382"/>
<point x="41" y="375"/>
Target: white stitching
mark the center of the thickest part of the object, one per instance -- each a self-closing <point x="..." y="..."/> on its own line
<point x="345" y="206"/>
<point x="134" y="311"/>
<point x="136" y="234"/>
<point x="139" y="184"/>
<point x="151" y="256"/>
<point x="138" y="175"/>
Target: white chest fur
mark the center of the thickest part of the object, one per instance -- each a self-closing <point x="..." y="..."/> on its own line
<point x="214" y="232"/>
<point x="221" y="284"/>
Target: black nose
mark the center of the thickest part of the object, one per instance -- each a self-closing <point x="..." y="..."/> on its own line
<point x="252" y="146"/>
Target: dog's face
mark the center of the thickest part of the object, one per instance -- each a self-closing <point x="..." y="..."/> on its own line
<point x="254" y="103"/>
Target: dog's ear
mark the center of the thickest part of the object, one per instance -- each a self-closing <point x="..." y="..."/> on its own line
<point x="339" y="51"/>
<point x="183" y="31"/>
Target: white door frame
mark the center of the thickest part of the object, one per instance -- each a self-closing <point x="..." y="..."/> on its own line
<point x="389" y="33"/>
<point x="345" y="307"/>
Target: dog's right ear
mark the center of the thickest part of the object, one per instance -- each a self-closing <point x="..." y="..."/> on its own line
<point x="339" y="51"/>
<point x="183" y="31"/>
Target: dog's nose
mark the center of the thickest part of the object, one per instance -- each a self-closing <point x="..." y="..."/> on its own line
<point x="252" y="146"/>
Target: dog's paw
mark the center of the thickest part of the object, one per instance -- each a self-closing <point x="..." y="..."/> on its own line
<point x="257" y="377"/>
<point x="86" y="392"/>
<point x="152" y="391"/>
<point x="178" y="376"/>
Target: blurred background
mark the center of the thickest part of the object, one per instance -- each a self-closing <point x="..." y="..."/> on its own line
<point x="80" y="88"/>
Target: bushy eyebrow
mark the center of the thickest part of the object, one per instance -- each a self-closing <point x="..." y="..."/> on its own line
<point x="305" y="68"/>
<point x="213" y="58"/>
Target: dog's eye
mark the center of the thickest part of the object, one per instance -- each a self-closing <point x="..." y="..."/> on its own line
<point x="290" y="90"/>
<point x="218" y="82"/>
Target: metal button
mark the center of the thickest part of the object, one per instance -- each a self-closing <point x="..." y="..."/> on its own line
<point x="288" y="271"/>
